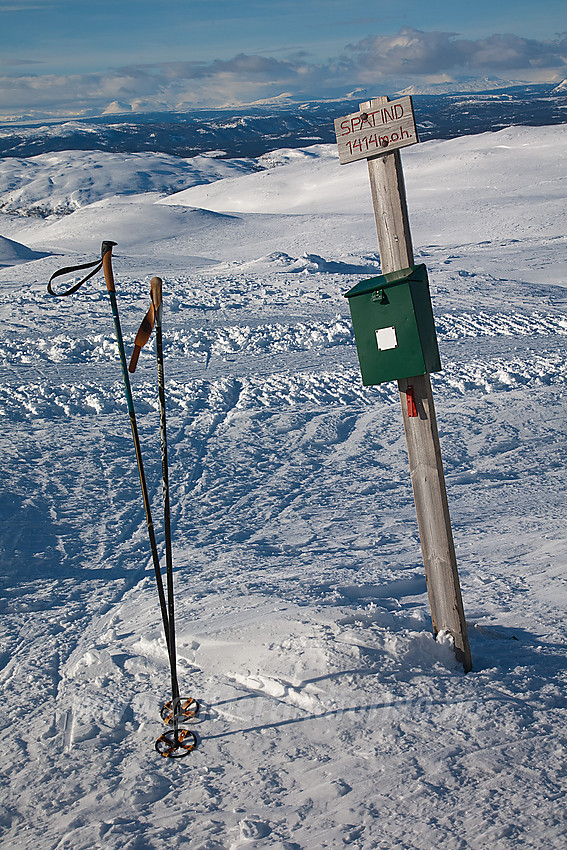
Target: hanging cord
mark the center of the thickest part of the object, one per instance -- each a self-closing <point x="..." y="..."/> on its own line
<point x="106" y="264"/>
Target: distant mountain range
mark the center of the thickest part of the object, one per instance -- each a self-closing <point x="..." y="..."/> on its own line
<point x="255" y="131"/>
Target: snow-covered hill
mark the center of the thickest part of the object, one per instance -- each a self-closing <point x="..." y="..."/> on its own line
<point x="330" y="716"/>
<point x="65" y="181"/>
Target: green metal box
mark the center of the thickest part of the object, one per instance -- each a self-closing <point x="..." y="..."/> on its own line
<point x="393" y="326"/>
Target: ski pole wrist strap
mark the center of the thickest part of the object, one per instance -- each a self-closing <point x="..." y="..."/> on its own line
<point x="95" y="266"/>
<point x="147" y="326"/>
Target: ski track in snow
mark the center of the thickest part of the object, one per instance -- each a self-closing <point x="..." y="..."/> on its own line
<point x="330" y="717"/>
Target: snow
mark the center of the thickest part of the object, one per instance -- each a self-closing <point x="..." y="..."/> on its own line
<point x="331" y="717"/>
<point x="12" y="252"/>
<point x="61" y="182"/>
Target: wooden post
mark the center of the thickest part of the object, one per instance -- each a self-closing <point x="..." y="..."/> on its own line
<point x="426" y="468"/>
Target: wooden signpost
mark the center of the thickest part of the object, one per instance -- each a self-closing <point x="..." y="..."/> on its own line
<point x="393" y="125"/>
<point x="384" y="126"/>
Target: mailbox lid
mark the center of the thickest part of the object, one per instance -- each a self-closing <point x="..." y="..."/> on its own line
<point x="382" y="281"/>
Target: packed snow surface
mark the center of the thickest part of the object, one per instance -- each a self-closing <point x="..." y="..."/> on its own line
<point x="330" y="716"/>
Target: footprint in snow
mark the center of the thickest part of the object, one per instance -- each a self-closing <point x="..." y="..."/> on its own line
<point x="252" y="830"/>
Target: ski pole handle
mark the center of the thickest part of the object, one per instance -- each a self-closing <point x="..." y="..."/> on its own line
<point x="157" y="300"/>
<point x="106" y="251"/>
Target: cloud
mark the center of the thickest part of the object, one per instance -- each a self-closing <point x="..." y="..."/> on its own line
<point x="510" y="51"/>
<point x="388" y="61"/>
<point x="243" y="66"/>
<point x="14" y="63"/>
<point x="408" y="52"/>
<point x="420" y="53"/>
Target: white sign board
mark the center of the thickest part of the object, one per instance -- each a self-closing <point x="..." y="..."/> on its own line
<point x="386" y="339"/>
<point x="380" y="130"/>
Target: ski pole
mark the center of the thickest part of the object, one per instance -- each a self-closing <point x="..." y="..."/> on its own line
<point x="109" y="279"/>
<point x="153" y="316"/>
<point x="178" y="708"/>
<point x="156" y="294"/>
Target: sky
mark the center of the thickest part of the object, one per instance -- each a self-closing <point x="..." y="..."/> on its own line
<point x="72" y="58"/>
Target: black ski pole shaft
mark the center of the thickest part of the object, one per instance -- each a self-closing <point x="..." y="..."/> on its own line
<point x="109" y="279"/>
<point x="156" y="295"/>
<point x="177" y="708"/>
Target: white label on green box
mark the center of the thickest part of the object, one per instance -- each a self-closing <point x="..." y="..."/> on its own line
<point x="386" y="339"/>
